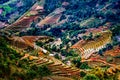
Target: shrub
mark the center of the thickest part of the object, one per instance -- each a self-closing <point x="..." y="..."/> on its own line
<point x="57" y="56"/>
<point x="97" y="36"/>
<point x="84" y="66"/>
<point x="31" y="74"/>
<point x="115" y="30"/>
<point x="90" y="36"/>
<point x="109" y="59"/>
<point x="77" y="62"/>
<point x="109" y="46"/>
<point x="73" y="53"/>
<point x="100" y="52"/>
<point x="43" y="71"/>
<point x="84" y="37"/>
<point x="82" y="74"/>
<point x="91" y="77"/>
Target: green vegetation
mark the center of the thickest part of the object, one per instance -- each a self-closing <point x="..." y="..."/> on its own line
<point x="82" y="74"/>
<point x="90" y="36"/>
<point x="115" y="32"/>
<point x="109" y="59"/>
<point x="77" y="22"/>
<point x="108" y="46"/>
<point x="57" y="56"/>
<point x="91" y="77"/>
<point x="84" y="65"/>
<point x="115" y="29"/>
<point x="11" y="67"/>
<point x="7" y="9"/>
<point x="43" y="71"/>
<point x="77" y="62"/>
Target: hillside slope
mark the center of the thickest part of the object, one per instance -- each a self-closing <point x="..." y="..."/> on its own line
<point x="60" y="39"/>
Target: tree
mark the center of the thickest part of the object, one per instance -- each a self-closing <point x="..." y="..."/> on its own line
<point x="100" y="52"/>
<point x="51" y="5"/>
<point x="77" y="62"/>
<point x="62" y="17"/>
<point x="84" y="66"/>
<point x="54" y="48"/>
<point x="91" y="77"/>
<point x="3" y="1"/>
<point x="56" y="31"/>
<point x="115" y="30"/>
<point x="104" y="49"/>
<point x="72" y="53"/>
<point x="57" y="56"/>
<point x="115" y="41"/>
<point x="99" y="72"/>
<point x="97" y="36"/>
<point x="64" y="52"/>
<point x="82" y="74"/>
<point x="90" y="36"/>
<point x="43" y="71"/>
<point x="84" y="37"/>
<point x="31" y="74"/>
<point x="109" y="46"/>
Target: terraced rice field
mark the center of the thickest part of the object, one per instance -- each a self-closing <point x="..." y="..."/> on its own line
<point x="25" y="20"/>
<point x="91" y="46"/>
<point x="54" y="65"/>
